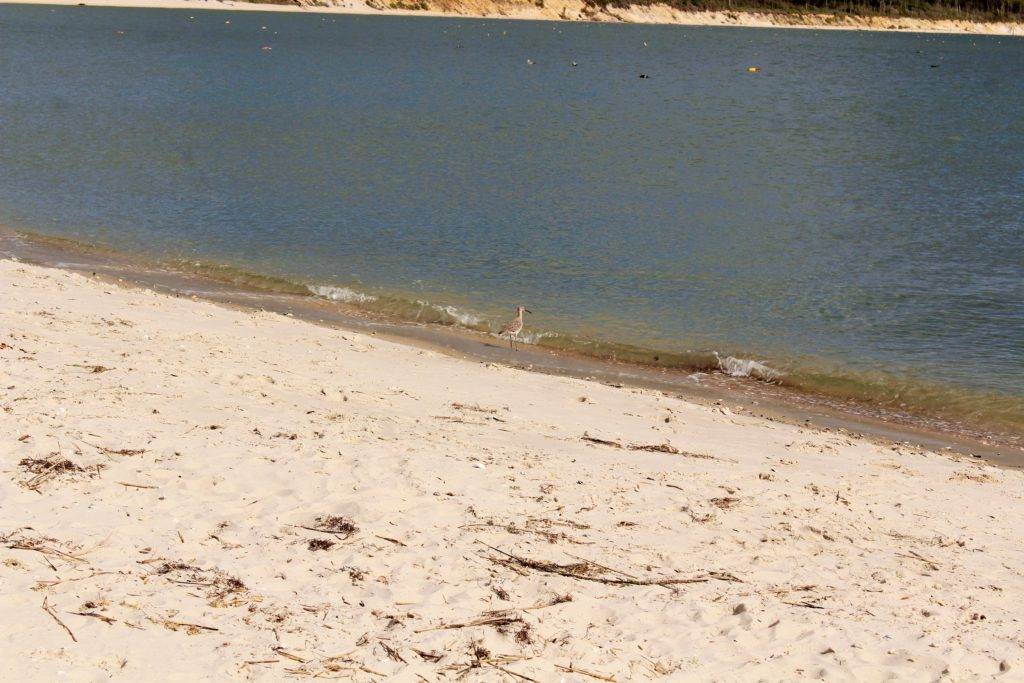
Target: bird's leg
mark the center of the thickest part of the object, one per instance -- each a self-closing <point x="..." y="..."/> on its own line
<point x="510" y="347"/>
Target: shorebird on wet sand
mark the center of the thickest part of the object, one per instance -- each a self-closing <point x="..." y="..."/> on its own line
<point x="513" y="327"/>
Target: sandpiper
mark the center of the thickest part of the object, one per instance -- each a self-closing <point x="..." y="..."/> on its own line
<point x="513" y="327"/>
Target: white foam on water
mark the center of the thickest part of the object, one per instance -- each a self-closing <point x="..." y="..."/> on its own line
<point x="459" y="316"/>
<point x="349" y="296"/>
<point x="534" y="337"/>
<point x="746" y="367"/>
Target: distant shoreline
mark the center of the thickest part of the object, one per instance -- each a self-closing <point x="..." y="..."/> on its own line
<point x="576" y="10"/>
<point x="791" y="405"/>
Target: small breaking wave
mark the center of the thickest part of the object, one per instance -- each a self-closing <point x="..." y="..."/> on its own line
<point x="413" y="310"/>
<point x="745" y="367"/>
<point x="349" y="296"/>
<point x="449" y="315"/>
<point x="535" y="337"/>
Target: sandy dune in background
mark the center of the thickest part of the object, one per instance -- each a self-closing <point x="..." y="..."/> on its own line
<point x="577" y="10"/>
<point x="205" y="445"/>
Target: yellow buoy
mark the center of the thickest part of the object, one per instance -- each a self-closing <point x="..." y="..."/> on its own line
<point x="753" y="69"/>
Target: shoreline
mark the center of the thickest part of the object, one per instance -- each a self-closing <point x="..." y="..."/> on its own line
<point x="192" y="491"/>
<point x="577" y="10"/>
<point x="744" y="394"/>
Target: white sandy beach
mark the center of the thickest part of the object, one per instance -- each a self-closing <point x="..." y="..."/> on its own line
<point x="167" y="463"/>
<point x="578" y="10"/>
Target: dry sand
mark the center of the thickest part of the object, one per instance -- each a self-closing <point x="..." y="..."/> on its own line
<point x="578" y="10"/>
<point x="165" y="465"/>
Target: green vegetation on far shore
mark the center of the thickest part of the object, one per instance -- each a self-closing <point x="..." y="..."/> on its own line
<point x="963" y="10"/>
<point x="967" y="10"/>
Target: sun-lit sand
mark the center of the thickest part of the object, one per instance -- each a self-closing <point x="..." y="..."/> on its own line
<point x="191" y="492"/>
<point x="578" y="10"/>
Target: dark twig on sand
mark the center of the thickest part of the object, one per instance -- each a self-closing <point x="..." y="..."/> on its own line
<point x="329" y="524"/>
<point x="670" y="449"/>
<point x="94" y="615"/>
<point x="805" y="603"/>
<point x="49" y="610"/>
<point x="188" y="625"/>
<point x="284" y="653"/>
<point x="434" y="657"/>
<point x="573" y="670"/>
<point x="503" y="618"/>
<point x="590" y="571"/>
<point x="650" y="448"/>
<point x="600" y="442"/>
<point x="391" y="652"/>
<point x="390" y="540"/>
<point x="94" y="369"/>
<point x="513" y="673"/>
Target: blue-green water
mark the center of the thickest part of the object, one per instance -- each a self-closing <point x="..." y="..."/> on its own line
<point x="851" y="214"/>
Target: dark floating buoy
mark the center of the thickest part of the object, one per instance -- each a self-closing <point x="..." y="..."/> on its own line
<point x="935" y="66"/>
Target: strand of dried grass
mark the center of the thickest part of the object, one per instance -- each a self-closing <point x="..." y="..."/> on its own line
<point x="328" y="524"/>
<point x="651" y="448"/>
<point x="605" y="567"/>
<point x="390" y="540"/>
<point x="49" y="610"/>
<point x="392" y="652"/>
<point x="40" y="546"/>
<point x="574" y="670"/>
<point x="549" y="536"/>
<point x="43" y="584"/>
<point x="600" y="442"/>
<point x="114" y="451"/>
<point x="503" y="618"/>
<point x="94" y="615"/>
<point x="932" y="564"/>
<point x="190" y="625"/>
<point x="284" y="653"/>
<point x="513" y="673"/>
<point x="557" y="600"/>
<point x="580" y="569"/>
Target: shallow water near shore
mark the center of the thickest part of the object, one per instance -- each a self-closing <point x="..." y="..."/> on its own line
<point x="849" y="217"/>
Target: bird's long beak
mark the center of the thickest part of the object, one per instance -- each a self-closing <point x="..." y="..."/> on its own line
<point x="528" y="311"/>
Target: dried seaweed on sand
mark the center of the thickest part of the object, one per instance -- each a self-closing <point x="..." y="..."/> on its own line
<point x="18" y="540"/>
<point x="650" y="448"/>
<point x="586" y="570"/>
<point x="218" y="583"/>
<point x="330" y="524"/>
<point x="45" y="469"/>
